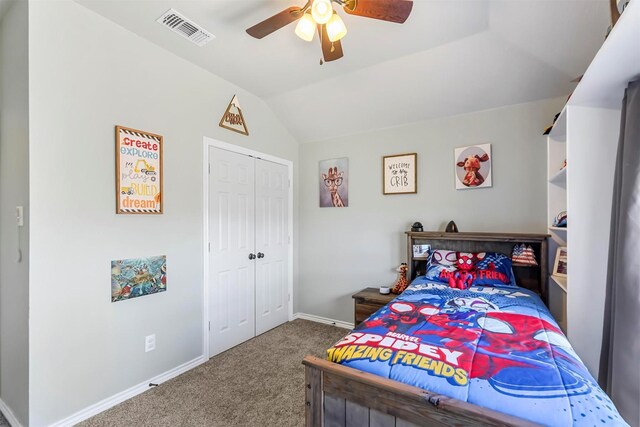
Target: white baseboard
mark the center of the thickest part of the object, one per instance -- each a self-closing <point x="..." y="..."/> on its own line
<point x="109" y="402"/>
<point x="338" y="323"/>
<point x="9" y="415"/>
<point x="112" y="401"/>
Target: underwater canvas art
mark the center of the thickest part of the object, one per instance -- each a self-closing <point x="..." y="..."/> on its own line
<point x="132" y="278"/>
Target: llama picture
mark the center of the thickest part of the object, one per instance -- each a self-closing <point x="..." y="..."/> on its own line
<point x="473" y="166"/>
<point x="334" y="183"/>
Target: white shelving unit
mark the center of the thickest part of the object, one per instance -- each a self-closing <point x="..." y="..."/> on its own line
<point x="556" y="203"/>
<point x="587" y="133"/>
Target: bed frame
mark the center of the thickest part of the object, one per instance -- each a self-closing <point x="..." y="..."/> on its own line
<point x="337" y="395"/>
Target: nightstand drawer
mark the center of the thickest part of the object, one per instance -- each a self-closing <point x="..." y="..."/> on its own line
<point x="367" y="302"/>
<point x="364" y="310"/>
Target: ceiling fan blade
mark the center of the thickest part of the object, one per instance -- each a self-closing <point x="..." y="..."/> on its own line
<point x="330" y="50"/>
<point x="276" y="22"/>
<point x="386" y="10"/>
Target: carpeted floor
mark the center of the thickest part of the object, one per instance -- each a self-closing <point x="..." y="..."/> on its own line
<point x="3" y="421"/>
<point x="258" y="383"/>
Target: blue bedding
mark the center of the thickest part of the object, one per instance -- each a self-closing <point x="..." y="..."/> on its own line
<point x="497" y="347"/>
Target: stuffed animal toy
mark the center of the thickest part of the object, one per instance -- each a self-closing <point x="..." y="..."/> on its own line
<point x="466" y="264"/>
<point x="401" y="283"/>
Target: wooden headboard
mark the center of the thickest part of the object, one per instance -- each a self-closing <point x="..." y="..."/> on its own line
<point x="534" y="278"/>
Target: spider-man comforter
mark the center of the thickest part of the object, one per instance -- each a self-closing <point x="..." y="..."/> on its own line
<point x="496" y="347"/>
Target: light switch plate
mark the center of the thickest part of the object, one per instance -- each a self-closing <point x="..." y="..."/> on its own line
<point x="20" y="216"/>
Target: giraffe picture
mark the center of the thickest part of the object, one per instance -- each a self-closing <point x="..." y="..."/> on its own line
<point x="334" y="183"/>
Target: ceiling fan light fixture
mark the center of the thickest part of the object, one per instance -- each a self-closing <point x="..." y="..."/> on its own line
<point x="321" y="10"/>
<point x="336" y="28"/>
<point x="306" y="28"/>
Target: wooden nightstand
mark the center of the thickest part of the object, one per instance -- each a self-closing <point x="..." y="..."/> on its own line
<point x="368" y="301"/>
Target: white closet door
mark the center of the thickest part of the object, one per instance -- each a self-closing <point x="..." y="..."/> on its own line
<point x="272" y="245"/>
<point x="232" y="239"/>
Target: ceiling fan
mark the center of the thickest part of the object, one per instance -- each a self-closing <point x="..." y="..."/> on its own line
<point x="319" y="15"/>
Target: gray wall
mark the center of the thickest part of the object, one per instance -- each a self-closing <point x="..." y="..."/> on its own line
<point x="85" y="78"/>
<point x="14" y="191"/>
<point x="344" y="250"/>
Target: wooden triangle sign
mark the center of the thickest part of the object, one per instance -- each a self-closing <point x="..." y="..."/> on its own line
<point x="233" y="118"/>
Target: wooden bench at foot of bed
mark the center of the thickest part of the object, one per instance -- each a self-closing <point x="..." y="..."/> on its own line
<point x="337" y="395"/>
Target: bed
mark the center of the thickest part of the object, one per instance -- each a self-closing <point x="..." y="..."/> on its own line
<point x="488" y="355"/>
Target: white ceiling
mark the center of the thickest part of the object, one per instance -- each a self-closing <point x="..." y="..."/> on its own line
<point x="450" y="57"/>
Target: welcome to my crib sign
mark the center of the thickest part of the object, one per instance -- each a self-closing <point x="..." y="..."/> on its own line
<point x="399" y="174"/>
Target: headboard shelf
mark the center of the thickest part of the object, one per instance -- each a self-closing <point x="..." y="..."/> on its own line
<point x="525" y="265"/>
<point x="530" y="277"/>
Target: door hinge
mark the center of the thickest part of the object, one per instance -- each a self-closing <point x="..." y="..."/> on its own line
<point x="209" y="245"/>
<point x="209" y="325"/>
<point x="289" y="239"/>
<point x="209" y="168"/>
<point x="289" y="183"/>
<point x="289" y="297"/>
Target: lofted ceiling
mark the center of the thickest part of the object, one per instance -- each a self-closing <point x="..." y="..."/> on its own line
<point x="450" y="57"/>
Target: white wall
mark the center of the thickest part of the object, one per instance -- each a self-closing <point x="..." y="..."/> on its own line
<point x="592" y="141"/>
<point x="86" y="78"/>
<point x="344" y="250"/>
<point x="14" y="191"/>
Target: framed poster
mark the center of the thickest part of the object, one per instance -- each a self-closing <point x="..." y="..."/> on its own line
<point x="399" y="174"/>
<point x="138" y="172"/>
<point x="138" y="277"/>
<point x="334" y="183"/>
<point x="473" y="166"/>
<point x="560" y="265"/>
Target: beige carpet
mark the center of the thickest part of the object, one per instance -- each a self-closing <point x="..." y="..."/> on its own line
<point x="258" y="383"/>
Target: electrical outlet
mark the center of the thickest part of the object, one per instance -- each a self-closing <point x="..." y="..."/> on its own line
<point x="149" y="343"/>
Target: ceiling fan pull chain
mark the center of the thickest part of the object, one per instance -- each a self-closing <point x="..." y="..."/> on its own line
<point x="321" y="59"/>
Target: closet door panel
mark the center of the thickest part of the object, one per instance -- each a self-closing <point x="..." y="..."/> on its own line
<point x="272" y="241"/>
<point x="232" y="238"/>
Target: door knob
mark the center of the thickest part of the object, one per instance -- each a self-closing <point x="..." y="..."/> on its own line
<point x="260" y="255"/>
<point x="252" y="256"/>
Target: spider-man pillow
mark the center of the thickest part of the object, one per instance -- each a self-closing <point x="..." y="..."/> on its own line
<point x="487" y="268"/>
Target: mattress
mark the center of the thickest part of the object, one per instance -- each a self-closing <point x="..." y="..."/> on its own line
<point x="493" y="346"/>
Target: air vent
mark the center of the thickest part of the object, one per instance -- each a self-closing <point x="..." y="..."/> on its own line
<point x="185" y="27"/>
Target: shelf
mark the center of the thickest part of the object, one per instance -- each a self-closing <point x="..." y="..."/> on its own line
<point x="560" y="177"/>
<point x="560" y="281"/>
<point x="515" y="264"/>
<point x="563" y="229"/>
<point x="559" y="131"/>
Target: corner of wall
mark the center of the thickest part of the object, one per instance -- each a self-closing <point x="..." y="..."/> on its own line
<point x="14" y="192"/>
